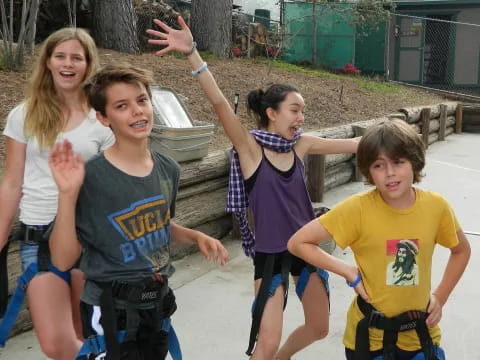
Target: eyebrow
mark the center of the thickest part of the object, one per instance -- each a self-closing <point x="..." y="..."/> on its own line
<point x="63" y="53"/>
<point x="143" y="94"/>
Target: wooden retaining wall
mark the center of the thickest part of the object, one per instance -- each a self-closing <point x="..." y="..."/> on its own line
<point x="201" y="200"/>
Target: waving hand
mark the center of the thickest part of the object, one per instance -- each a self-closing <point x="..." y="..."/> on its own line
<point x="174" y="40"/>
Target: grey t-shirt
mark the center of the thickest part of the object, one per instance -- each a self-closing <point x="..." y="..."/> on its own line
<point x="123" y="223"/>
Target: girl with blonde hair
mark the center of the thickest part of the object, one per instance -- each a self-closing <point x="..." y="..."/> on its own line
<point x="55" y="108"/>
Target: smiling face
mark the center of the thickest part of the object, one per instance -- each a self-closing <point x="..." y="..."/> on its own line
<point x="68" y="66"/>
<point x="394" y="179"/>
<point x="289" y="116"/>
<point x="128" y="111"/>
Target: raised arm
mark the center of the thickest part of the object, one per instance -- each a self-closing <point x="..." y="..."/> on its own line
<point x="11" y="186"/>
<point x="304" y="244"/>
<point x="182" y="41"/>
<point x="309" y="144"/>
<point x="68" y="171"/>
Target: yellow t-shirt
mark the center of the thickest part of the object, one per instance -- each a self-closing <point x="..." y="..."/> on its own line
<point x="393" y="249"/>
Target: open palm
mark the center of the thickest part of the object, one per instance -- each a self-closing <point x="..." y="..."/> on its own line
<point x="174" y="40"/>
<point x="68" y="169"/>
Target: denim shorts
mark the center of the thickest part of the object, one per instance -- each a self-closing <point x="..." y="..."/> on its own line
<point x="28" y="253"/>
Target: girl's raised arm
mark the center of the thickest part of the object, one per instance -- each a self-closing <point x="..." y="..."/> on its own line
<point x="182" y="41"/>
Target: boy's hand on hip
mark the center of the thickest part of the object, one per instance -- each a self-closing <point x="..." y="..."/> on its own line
<point x="360" y="290"/>
<point x="351" y="275"/>
<point x="67" y="168"/>
<point x="434" y="311"/>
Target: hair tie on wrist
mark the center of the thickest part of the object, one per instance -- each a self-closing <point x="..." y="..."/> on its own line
<point x="192" y="50"/>
<point x="356" y="281"/>
<point x="200" y="69"/>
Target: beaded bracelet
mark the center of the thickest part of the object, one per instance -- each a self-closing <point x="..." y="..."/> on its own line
<point x="200" y="69"/>
<point x="192" y="50"/>
<point x="356" y="281"/>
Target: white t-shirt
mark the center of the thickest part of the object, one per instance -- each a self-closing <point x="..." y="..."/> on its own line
<point x="38" y="205"/>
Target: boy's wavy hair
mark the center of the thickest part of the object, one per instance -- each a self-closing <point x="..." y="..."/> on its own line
<point x="96" y="87"/>
<point x="396" y="139"/>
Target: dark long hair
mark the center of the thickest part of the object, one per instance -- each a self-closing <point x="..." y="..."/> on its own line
<point x="258" y="101"/>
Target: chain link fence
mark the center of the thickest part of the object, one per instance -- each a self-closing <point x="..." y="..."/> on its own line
<point x="435" y="52"/>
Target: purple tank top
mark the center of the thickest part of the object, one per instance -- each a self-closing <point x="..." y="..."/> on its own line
<point x="280" y="204"/>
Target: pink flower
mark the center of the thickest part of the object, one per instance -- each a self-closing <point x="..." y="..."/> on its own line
<point x="350" y="69"/>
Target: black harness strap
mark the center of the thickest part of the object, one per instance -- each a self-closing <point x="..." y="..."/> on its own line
<point x="146" y="292"/>
<point x="37" y="235"/>
<point x="3" y="279"/>
<point x="410" y="320"/>
<point x="264" y="294"/>
<point x="108" y="320"/>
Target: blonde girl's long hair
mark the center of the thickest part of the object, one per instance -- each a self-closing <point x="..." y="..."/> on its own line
<point x="43" y="116"/>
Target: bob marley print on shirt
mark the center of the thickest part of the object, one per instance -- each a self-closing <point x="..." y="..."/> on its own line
<point x="403" y="269"/>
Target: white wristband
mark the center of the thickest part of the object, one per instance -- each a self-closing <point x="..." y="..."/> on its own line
<point x="200" y="69"/>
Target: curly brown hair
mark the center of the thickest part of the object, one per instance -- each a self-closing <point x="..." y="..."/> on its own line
<point x="397" y="140"/>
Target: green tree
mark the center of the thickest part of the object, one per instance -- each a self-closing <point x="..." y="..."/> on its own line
<point x="11" y="53"/>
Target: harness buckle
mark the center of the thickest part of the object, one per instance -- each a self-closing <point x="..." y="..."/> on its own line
<point x="375" y="318"/>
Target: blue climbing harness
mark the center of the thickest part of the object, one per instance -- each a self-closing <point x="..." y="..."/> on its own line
<point x="37" y="235"/>
<point x="438" y="351"/>
<point x="96" y="344"/>
<point x="270" y="284"/>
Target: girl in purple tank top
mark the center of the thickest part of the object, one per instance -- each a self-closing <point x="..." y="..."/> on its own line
<point x="267" y="175"/>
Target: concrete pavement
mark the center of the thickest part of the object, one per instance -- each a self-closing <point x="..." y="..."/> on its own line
<point x="213" y="319"/>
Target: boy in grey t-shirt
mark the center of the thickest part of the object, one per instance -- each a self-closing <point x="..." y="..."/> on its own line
<point x="118" y="209"/>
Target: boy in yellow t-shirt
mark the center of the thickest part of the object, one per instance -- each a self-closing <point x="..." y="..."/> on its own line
<point x="392" y="231"/>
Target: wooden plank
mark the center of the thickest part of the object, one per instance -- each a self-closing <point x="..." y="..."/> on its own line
<point x="315" y="170"/>
<point x="214" y="165"/>
<point x="414" y="114"/>
<point x="217" y="229"/>
<point x="425" y="125"/>
<point x="459" y="116"/>
<point x="207" y="186"/>
<point x="443" y="122"/>
<point x="334" y="159"/>
<point x="339" y="174"/>
<point x="201" y="208"/>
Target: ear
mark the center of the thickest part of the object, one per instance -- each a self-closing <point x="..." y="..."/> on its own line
<point x="103" y="119"/>
<point x="271" y="113"/>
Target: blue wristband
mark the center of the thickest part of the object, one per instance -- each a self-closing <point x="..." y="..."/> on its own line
<point x="200" y="69"/>
<point x="356" y="281"/>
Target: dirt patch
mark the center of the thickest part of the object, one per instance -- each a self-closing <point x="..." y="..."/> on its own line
<point x="327" y="104"/>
